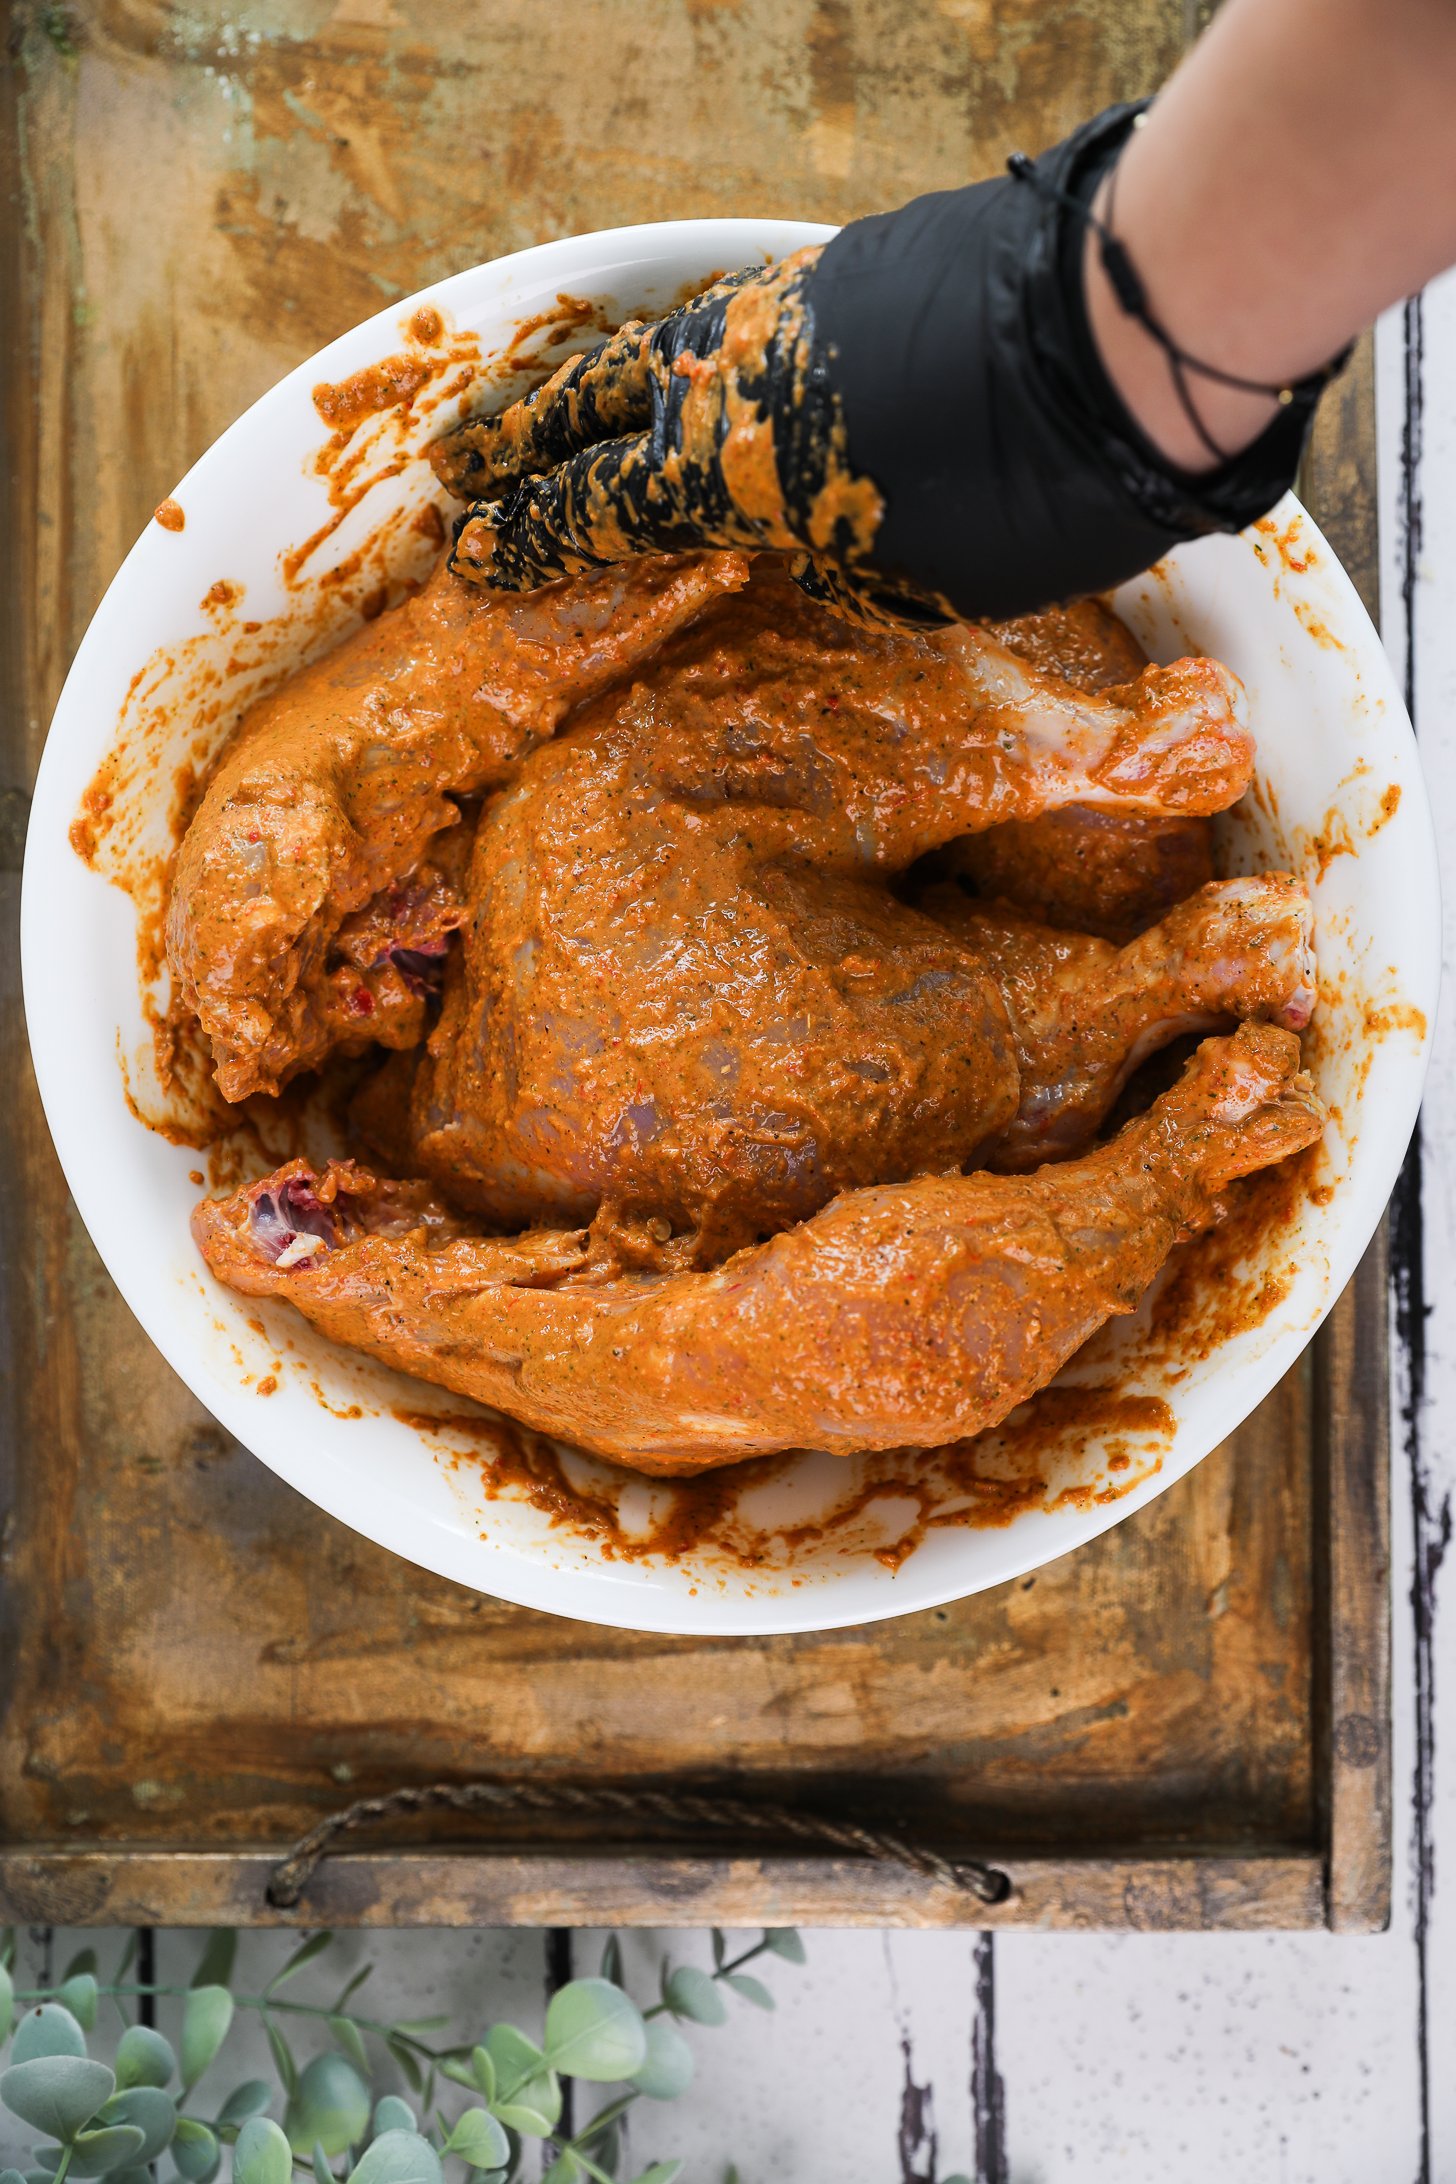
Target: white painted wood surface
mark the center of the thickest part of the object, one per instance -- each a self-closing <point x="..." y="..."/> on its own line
<point x="1151" y="2059"/>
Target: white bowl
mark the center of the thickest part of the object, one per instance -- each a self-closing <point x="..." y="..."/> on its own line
<point x="1334" y="746"/>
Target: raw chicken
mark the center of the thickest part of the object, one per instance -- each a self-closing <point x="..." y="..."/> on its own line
<point x="686" y="987"/>
<point x="336" y="798"/>
<point x="902" y="1315"/>
<point x="1106" y="872"/>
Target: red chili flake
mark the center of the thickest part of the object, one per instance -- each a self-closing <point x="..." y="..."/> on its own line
<point x="361" y="1001"/>
<point x="254" y="835"/>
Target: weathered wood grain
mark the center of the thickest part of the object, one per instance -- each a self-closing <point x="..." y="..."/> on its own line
<point x="199" y="1657"/>
<point x="595" y="1887"/>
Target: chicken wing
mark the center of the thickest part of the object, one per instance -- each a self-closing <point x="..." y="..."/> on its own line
<point x="901" y="1315"/>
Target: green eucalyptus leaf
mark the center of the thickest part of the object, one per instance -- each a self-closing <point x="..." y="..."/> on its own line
<point x="43" y="2176"/>
<point x="660" y="2172"/>
<point x="11" y="2176"/>
<point x="303" y="1954"/>
<point x="47" y="2158"/>
<point x="351" y="2040"/>
<point x="113" y="2146"/>
<point x="83" y="1961"/>
<point x="219" y="1953"/>
<point x="459" y="2074"/>
<point x="7" y="2016"/>
<point x="720" y="1947"/>
<point x="483" y="2072"/>
<point x="195" y="2150"/>
<point x="47" y="2030"/>
<point x="282" y="2055"/>
<point x="125" y="1961"/>
<point x="262" y="2154"/>
<point x="612" y="1960"/>
<point x="150" y="2110"/>
<point x="7" y="1947"/>
<point x="594" y="2031"/>
<point x="418" y="2025"/>
<point x="330" y="2107"/>
<point x="565" y="2169"/>
<point x="752" y="1990"/>
<point x="319" y="2163"/>
<point x="785" y="1942"/>
<point x="398" y="2157"/>
<point x="57" y="2094"/>
<point x="691" y="1993"/>
<point x="244" y="2102"/>
<point x="527" y="2117"/>
<point x="363" y="1973"/>
<point x="79" y="1994"/>
<point x="479" y="2140"/>
<point x="143" y="2057"/>
<point x="960" y="2177"/>
<point x="668" y="2068"/>
<point x="393" y="2114"/>
<point x="521" y="2115"/>
<point x="414" y="2077"/>
<point x="206" y="2016"/>
<point x="513" y="2055"/>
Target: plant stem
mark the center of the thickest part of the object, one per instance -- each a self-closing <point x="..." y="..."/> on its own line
<point x="591" y="2168"/>
<point x="63" y="2165"/>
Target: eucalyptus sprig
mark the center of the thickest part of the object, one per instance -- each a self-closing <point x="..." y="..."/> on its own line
<point x="116" y="2120"/>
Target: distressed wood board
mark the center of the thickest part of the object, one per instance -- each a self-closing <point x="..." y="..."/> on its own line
<point x="1183" y="1725"/>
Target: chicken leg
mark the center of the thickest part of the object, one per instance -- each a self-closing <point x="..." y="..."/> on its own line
<point x="336" y="794"/>
<point x="1085" y="1014"/>
<point x="901" y="1315"/>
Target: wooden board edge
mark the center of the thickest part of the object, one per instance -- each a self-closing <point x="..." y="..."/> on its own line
<point x="126" y="1887"/>
<point x="1337" y="478"/>
<point x="1352" y="1484"/>
<point x="1352" y="1600"/>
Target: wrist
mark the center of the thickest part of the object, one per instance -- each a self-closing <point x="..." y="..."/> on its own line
<point x="1142" y="375"/>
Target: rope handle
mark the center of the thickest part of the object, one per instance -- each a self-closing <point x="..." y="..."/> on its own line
<point x="293" y="1873"/>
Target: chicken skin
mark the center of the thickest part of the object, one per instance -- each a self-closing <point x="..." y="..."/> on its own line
<point x="902" y="1315"/>
<point x="685" y="986"/>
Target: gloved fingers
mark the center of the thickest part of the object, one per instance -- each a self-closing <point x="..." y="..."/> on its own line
<point x="599" y="395"/>
<point x="606" y="503"/>
<point x="603" y="394"/>
<point x="860" y="595"/>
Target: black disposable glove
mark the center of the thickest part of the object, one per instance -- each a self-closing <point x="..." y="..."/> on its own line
<point x="916" y="408"/>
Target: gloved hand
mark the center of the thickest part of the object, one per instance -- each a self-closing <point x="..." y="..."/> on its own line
<point x="917" y="409"/>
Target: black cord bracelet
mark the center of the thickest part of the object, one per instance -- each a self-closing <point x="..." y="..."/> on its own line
<point x="1128" y="287"/>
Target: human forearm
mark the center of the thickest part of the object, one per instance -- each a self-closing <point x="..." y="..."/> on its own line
<point x="1297" y="174"/>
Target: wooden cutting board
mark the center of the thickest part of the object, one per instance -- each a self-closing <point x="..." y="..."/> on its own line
<point x="1184" y="1724"/>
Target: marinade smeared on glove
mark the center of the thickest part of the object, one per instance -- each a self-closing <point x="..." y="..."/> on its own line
<point x="917" y="408"/>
